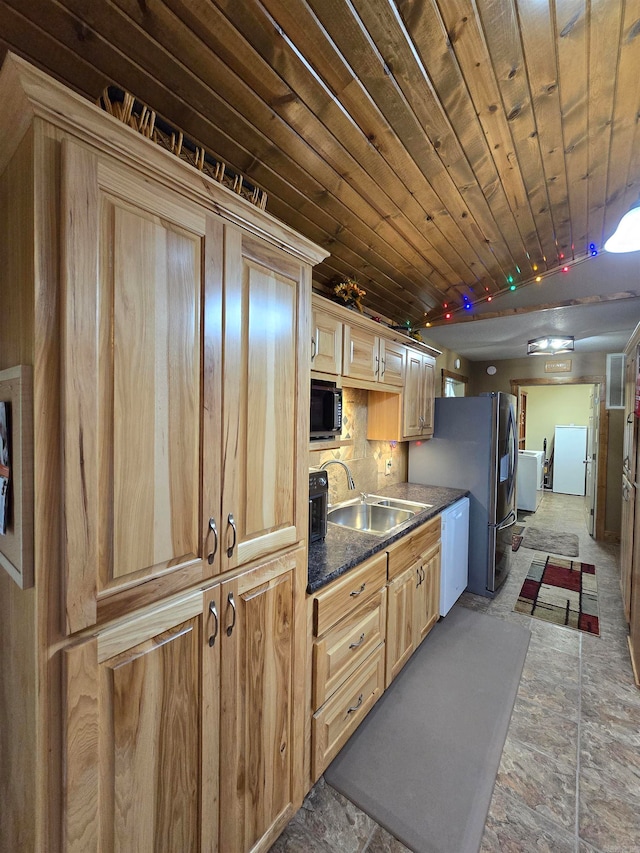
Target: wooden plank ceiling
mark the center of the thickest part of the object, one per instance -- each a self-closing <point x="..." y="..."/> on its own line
<point x="439" y="149"/>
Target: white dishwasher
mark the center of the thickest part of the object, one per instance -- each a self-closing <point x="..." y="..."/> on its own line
<point x="454" y="553"/>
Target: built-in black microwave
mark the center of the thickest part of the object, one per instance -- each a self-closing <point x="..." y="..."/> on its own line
<point x="326" y="410"/>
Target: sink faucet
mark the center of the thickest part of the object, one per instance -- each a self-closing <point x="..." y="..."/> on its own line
<point x="350" y="482"/>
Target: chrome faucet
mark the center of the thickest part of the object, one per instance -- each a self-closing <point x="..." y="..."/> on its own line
<point x="350" y="482"/>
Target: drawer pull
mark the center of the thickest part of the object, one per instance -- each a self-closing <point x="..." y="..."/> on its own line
<point x="213" y="610"/>
<point x="359" y="643"/>
<point x="232" y="604"/>
<point x="214" y="530"/>
<point x="357" y="592"/>
<point x="356" y="706"/>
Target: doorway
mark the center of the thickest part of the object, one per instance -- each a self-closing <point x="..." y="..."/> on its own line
<point x="595" y="459"/>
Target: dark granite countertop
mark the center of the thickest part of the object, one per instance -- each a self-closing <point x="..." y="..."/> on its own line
<point x="343" y="549"/>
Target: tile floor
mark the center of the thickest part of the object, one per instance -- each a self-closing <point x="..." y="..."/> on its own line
<point x="569" y="778"/>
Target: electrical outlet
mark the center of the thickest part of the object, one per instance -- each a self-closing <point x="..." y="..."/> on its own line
<point x="387" y="468"/>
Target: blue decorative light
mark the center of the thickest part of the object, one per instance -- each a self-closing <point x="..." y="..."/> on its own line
<point x="593" y="250"/>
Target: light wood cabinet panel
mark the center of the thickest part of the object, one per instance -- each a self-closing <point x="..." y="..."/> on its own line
<point x="137" y="746"/>
<point x="134" y="351"/>
<point x="184" y="713"/>
<point x="408" y="415"/>
<point x="400" y="621"/>
<point x="419" y="395"/>
<point x="148" y="438"/>
<point x="411" y="547"/>
<point x="343" y="648"/>
<point x="338" y="718"/>
<point x="265" y="401"/>
<point x="372" y="358"/>
<point x="338" y="599"/>
<point x="392" y="359"/>
<point x="413" y="594"/>
<point x="361" y="357"/>
<point x="326" y="343"/>
<point x="427" y="599"/>
<point x="261" y="751"/>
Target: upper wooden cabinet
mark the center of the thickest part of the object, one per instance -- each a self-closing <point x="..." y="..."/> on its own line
<point x="406" y="416"/>
<point x="419" y="395"/>
<point x="371" y="357"/>
<point x="326" y="342"/>
<point x="163" y="482"/>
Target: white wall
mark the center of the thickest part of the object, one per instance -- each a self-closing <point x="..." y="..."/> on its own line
<point x="549" y="406"/>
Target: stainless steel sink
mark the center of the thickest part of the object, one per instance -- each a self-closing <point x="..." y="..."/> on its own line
<point x="413" y="506"/>
<point x="369" y="517"/>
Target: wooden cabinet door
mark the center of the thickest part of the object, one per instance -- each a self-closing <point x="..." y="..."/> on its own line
<point x="428" y="394"/>
<point x="261" y="730"/>
<point x="412" y="397"/>
<point x="139" y="267"/>
<point x="400" y="621"/>
<point x="140" y="735"/>
<point x="326" y="344"/>
<point x="361" y="359"/>
<point x="427" y="595"/>
<point x="266" y="412"/>
<point x="392" y="362"/>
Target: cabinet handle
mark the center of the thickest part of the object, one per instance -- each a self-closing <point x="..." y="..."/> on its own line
<point x="314" y="348"/>
<point x="359" y="643"/>
<point x="232" y="604"/>
<point x="419" y="581"/>
<point x="357" y="592"/>
<point x="356" y="706"/>
<point x="214" y="530"/>
<point x="377" y="365"/>
<point x="232" y="524"/>
<point x="384" y="367"/>
<point x="213" y="610"/>
<point x="423" y="574"/>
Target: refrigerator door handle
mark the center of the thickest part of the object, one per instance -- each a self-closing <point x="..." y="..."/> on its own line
<point x="501" y="524"/>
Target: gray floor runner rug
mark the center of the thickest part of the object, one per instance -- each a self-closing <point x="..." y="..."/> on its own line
<point x="424" y="761"/>
<point x="550" y="542"/>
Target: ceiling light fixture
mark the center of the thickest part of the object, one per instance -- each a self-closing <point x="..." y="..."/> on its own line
<point x="626" y="237"/>
<point x="550" y="345"/>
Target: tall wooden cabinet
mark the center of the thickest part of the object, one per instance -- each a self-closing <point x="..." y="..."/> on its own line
<point x="153" y="678"/>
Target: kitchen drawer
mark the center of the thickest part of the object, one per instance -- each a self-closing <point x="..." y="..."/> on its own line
<point x="341" y="715"/>
<point x="343" y="648"/>
<point x="410" y="548"/>
<point x="333" y="603"/>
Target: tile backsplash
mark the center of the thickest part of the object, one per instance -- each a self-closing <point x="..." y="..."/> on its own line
<point x="366" y="459"/>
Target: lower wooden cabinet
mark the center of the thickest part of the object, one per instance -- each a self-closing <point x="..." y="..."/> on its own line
<point x="412" y="605"/>
<point x="181" y="723"/>
<point x="334" y="723"/>
<point x="348" y="622"/>
<point x="427" y="598"/>
<point x="400" y="621"/>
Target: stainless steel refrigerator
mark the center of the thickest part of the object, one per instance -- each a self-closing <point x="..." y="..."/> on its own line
<point x="475" y="447"/>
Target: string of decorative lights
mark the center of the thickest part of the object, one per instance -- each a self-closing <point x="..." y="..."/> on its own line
<point x="450" y="309"/>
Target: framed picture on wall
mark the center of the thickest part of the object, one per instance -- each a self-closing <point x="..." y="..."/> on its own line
<point x="5" y="470"/>
<point x="16" y="474"/>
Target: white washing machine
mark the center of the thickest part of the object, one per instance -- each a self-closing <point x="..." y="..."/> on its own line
<point x="530" y="479"/>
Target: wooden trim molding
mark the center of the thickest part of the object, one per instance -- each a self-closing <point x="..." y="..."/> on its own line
<point x="449" y="374"/>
